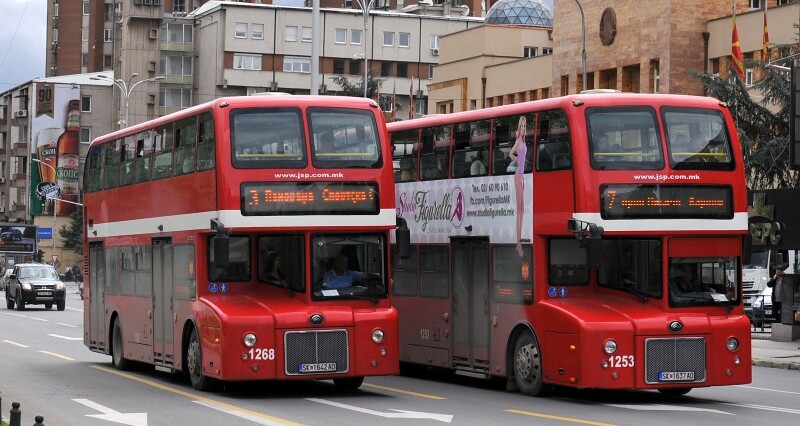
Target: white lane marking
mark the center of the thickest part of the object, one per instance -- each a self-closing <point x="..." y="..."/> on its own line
<point x="397" y="414"/>
<point x="661" y="407"/>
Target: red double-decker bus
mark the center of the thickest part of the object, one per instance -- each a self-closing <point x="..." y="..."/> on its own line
<point x="244" y="239"/>
<point x="589" y="241"/>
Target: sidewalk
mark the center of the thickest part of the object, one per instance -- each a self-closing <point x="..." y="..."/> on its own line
<point x="769" y="353"/>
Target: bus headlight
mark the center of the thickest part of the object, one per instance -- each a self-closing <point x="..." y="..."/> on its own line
<point x="249" y="340"/>
<point x="732" y="344"/>
<point x="610" y="346"/>
<point x="378" y="336"/>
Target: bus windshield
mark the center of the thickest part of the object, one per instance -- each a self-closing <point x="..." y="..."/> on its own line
<point x="633" y="266"/>
<point x="349" y="266"/>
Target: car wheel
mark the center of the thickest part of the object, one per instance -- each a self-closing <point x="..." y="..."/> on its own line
<point x="9" y="301"/>
<point x="48" y="306"/>
<point x="528" y="366"/>
<point x="20" y="302"/>
<point x="61" y="305"/>
<point x="120" y="363"/>
<point x="194" y="364"/>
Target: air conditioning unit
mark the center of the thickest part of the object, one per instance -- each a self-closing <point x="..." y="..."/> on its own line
<point x="21" y="113"/>
<point x="435" y="51"/>
<point x="153" y="33"/>
<point x="151" y="99"/>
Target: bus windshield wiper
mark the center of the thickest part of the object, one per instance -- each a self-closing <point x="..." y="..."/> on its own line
<point x="628" y="286"/>
<point x="283" y="284"/>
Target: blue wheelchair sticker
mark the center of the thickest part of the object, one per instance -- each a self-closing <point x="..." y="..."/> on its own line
<point x="212" y="287"/>
<point x="552" y="292"/>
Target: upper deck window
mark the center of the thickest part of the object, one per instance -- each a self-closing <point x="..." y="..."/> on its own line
<point x="698" y="139"/>
<point x="624" y="138"/>
<point x="268" y="138"/>
<point x="344" y="138"/>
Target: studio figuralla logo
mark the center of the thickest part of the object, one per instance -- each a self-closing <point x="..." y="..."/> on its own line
<point x="427" y="208"/>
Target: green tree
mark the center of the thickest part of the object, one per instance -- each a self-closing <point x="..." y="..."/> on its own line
<point x="73" y="235"/>
<point x="356" y="89"/>
<point x="761" y="114"/>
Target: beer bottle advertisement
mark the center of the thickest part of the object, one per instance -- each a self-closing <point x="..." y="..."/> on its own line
<point x="68" y="160"/>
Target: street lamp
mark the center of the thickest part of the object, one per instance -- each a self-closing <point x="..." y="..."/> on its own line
<point x="365" y="8"/>
<point x="53" y="200"/>
<point x="127" y="88"/>
<point x="583" y="52"/>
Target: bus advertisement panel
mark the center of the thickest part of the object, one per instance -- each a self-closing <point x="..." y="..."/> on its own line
<point x="588" y="241"/>
<point x="245" y="239"/>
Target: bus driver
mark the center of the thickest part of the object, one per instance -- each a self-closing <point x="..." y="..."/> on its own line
<point x="341" y="277"/>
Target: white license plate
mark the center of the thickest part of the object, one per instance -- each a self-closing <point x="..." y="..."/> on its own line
<point x="675" y="376"/>
<point x="44" y="293"/>
<point x="316" y="368"/>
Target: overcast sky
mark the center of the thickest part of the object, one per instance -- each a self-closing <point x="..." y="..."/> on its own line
<point x="22" y="39"/>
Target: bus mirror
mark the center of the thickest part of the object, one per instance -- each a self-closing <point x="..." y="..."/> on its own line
<point x="572" y="226"/>
<point x="747" y="249"/>
<point x="403" y="238"/>
<point x="594" y="251"/>
<point x="221" y="245"/>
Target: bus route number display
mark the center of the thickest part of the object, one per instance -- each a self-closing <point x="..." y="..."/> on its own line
<point x="282" y="198"/>
<point x="666" y="202"/>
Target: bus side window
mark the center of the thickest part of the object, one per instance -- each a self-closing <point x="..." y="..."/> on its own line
<point x="162" y="166"/>
<point x="126" y="166"/>
<point x="144" y="148"/>
<point x="185" y="137"/>
<point x="205" y="143"/>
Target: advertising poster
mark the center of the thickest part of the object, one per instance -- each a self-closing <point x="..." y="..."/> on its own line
<point x="55" y="142"/>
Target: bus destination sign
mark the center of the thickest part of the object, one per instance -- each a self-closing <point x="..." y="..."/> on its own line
<point x="286" y="198"/>
<point x="666" y="202"/>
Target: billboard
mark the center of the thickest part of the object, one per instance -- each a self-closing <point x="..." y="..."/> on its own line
<point x="55" y="141"/>
<point x="17" y="239"/>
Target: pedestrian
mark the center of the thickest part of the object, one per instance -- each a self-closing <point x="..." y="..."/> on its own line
<point x="777" y="284"/>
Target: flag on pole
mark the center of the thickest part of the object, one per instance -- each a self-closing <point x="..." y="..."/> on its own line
<point x="394" y="95"/>
<point x="736" y="48"/>
<point x="411" y="100"/>
<point x="765" y="47"/>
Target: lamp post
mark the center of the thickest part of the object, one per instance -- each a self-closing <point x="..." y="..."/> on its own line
<point x="53" y="200"/>
<point x="583" y="52"/>
<point x="127" y="88"/>
<point x="365" y="8"/>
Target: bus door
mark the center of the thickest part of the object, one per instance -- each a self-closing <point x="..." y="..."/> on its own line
<point x="471" y="311"/>
<point x="163" y="347"/>
<point x="95" y="315"/>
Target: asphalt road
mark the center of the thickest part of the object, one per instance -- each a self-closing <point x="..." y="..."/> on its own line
<point x="45" y="366"/>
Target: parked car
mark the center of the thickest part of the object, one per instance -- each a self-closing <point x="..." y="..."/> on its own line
<point x="4" y="278"/>
<point x="11" y="235"/>
<point x="35" y="284"/>
<point x="762" y="308"/>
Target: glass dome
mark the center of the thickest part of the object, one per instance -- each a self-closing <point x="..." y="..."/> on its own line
<point x="520" y="12"/>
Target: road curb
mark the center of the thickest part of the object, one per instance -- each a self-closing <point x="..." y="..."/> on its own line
<point x="776" y="364"/>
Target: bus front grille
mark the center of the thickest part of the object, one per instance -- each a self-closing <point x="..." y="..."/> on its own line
<point x="681" y="360"/>
<point x="316" y="352"/>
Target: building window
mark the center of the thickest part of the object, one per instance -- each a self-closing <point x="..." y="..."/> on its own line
<point x="257" y="31"/>
<point x="182" y="65"/>
<point x="84" y="59"/>
<point x="547" y="51"/>
<point x="748" y="77"/>
<point x="86" y="135"/>
<point x="176" y="33"/>
<point x="86" y="104"/>
<point x="529" y="52"/>
<point x="84" y="34"/>
<point x="290" y="33"/>
<point x="656" y="76"/>
<point x="755" y="4"/>
<point x="355" y="36"/>
<point x="430" y="71"/>
<point x="341" y="36"/>
<point x="297" y="64"/>
<point x="338" y="66"/>
<point x="175" y="97"/>
<point x="242" y="61"/>
<point x="388" y="38"/>
<point x="86" y="8"/>
<point x="402" y="69"/>
<point x="306" y="35"/>
<point x="240" y="30"/>
<point x="178" y="6"/>
<point x="107" y="61"/>
<point x="355" y="67"/>
<point x="782" y="2"/>
<point x="404" y="40"/>
<point x="386" y="69"/>
<point x="108" y="35"/>
<point x="434" y="41"/>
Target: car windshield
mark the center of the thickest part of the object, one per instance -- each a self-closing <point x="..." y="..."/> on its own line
<point x="37" y="272"/>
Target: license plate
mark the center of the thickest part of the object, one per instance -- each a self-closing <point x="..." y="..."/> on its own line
<point x="44" y="293"/>
<point x="316" y="368"/>
<point x="675" y="376"/>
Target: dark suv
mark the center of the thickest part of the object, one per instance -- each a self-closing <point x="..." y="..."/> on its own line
<point x="35" y="284"/>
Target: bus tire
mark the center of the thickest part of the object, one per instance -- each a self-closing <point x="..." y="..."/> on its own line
<point x="674" y="391"/>
<point x="117" y="358"/>
<point x="349" y="384"/>
<point x="194" y="364"/>
<point x="527" y="364"/>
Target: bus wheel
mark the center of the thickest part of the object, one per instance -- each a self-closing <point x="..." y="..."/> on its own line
<point x="674" y="391"/>
<point x="349" y="384"/>
<point x="528" y="366"/>
<point x="194" y="364"/>
<point x="120" y="363"/>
